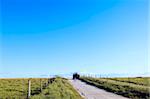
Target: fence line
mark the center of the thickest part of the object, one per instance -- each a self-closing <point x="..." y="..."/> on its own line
<point x="42" y="86"/>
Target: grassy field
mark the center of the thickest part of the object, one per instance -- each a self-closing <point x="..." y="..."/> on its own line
<point x="119" y="86"/>
<point x="18" y="89"/>
<point x="145" y="81"/>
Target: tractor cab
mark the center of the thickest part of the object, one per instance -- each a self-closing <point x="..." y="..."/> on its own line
<point x="76" y="76"/>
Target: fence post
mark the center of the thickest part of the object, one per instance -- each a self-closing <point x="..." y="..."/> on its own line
<point x="29" y="88"/>
<point x="41" y="85"/>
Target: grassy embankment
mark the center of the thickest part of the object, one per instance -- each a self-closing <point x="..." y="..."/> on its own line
<point x="122" y="87"/>
<point x="58" y="88"/>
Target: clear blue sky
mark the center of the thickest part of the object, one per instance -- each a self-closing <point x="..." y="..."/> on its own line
<point x="63" y="36"/>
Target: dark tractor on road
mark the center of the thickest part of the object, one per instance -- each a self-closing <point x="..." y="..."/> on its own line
<point x="76" y="76"/>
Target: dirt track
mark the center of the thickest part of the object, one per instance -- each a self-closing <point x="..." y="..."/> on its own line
<point x="91" y="92"/>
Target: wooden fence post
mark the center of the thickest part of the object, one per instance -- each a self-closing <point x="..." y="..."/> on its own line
<point x="41" y="85"/>
<point x="29" y="88"/>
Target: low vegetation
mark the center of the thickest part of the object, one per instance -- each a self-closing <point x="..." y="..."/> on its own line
<point x="18" y="88"/>
<point x="131" y="90"/>
<point x="59" y="89"/>
<point x="145" y="81"/>
<point x="55" y="89"/>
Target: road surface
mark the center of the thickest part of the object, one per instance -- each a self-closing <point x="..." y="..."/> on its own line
<point x="91" y="92"/>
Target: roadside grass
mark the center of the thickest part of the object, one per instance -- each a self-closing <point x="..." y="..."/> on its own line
<point x="59" y="89"/>
<point x="126" y="89"/>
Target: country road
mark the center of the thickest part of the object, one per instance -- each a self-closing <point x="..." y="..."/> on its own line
<point x="91" y="92"/>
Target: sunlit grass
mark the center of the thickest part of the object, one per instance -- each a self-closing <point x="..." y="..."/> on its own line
<point x="58" y="88"/>
<point x="125" y="88"/>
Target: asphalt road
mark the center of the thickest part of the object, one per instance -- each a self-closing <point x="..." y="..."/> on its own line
<point x="91" y="92"/>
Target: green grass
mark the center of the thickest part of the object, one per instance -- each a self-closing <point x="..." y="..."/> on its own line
<point x="17" y="88"/>
<point x="131" y="90"/>
<point x="145" y="81"/>
<point x="58" y="88"/>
